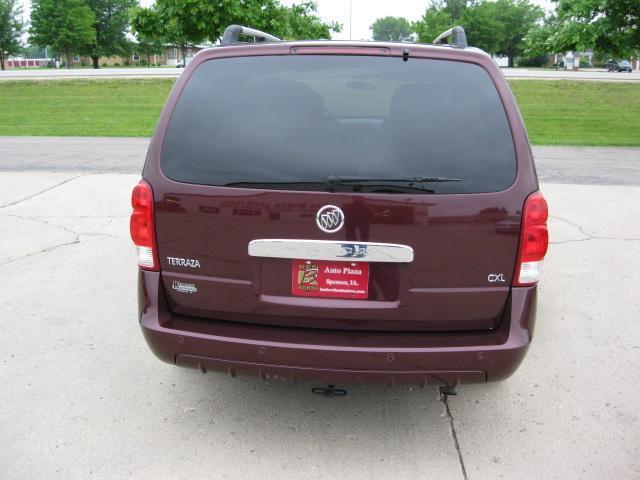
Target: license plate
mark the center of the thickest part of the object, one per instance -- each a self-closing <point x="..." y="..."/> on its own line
<point x="317" y="278"/>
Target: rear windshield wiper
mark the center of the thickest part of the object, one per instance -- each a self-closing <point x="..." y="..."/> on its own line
<point x="360" y="184"/>
<point x="268" y="185"/>
<point x="333" y="179"/>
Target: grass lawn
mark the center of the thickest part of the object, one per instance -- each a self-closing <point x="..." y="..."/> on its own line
<point x="127" y="108"/>
<point x="555" y="112"/>
<point x="567" y="112"/>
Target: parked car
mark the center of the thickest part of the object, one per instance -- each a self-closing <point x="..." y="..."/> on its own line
<point x="340" y="212"/>
<point x="619" y="66"/>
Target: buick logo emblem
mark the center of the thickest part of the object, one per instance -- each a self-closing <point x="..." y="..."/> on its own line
<point x="330" y="219"/>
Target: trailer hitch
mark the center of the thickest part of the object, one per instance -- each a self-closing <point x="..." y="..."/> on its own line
<point x="446" y="390"/>
<point x="329" y="391"/>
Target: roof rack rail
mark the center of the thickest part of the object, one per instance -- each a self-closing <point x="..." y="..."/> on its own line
<point x="458" y="36"/>
<point x="232" y="34"/>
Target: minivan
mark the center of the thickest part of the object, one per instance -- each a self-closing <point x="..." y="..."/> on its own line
<point x="340" y="212"/>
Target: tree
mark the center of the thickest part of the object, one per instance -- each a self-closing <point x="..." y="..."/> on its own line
<point x="392" y="29"/>
<point x="11" y="29"/>
<point x="483" y="26"/>
<point x="189" y="22"/>
<point x="112" y="21"/>
<point x="538" y="40"/>
<point x="147" y="47"/>
<point x="605" y="25"/>
<point x="498" y="27"/>
<point x="163" y="23"/>
<point x="34" y="51"/>
<point x="516" y="19"/>
<point x="300" y="21"/>
<point x="64" y="25"/>
<point x="439" y="17"/>
<point x="147" y="26"/>
<point x="456" y="8"/>
<point x="432" y="24"/>
<point x="150" y="34"/>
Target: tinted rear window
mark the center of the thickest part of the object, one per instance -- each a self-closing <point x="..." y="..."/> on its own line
<point x="293" y="121"/>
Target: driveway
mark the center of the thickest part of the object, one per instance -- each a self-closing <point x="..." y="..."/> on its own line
<point x="83" y="397"/>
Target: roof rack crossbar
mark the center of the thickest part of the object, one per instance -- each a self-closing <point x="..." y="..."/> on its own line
<point x="232" y="35"/>
<point x="458" y="36"/>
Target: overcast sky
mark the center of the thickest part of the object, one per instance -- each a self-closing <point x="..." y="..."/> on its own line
<point x="363" y="12"/>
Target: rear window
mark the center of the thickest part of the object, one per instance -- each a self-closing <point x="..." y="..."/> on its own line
<point x="340" y="123"/>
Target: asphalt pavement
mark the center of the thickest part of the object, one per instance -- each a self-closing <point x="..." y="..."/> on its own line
<point x="579" y="165"/>
<point x="83" y="397"/>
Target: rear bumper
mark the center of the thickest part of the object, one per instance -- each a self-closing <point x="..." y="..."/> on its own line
<point x="337" y="357"/>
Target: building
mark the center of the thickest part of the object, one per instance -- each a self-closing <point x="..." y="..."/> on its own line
<point x="571" y="60"/>
<point x="171" y="57"/>
<point x="26" y="62"/>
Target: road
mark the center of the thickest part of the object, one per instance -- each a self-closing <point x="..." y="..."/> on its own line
<point x="579" y="165"/>
<point x="86" y="73"/>
<point x="62" y="74"/>
<point x="585" y="74"/>
<point x="82" y="396"/>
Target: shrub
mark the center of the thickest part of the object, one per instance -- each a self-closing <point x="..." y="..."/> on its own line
<point x="539" y="61"/>
<point x="585" y="62"/>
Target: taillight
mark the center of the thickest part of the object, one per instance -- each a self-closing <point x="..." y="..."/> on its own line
<point x="534" y="240"/>
<point x="142" y="226"/>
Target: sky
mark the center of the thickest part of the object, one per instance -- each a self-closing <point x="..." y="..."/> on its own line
<point x="363" y="13"/>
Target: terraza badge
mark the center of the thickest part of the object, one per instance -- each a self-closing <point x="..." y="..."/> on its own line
<point x="184" y="262"/>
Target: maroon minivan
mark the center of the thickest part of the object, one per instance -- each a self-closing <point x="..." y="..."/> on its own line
<point x="340" y="212"/>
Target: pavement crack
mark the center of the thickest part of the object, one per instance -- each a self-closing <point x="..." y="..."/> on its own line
<point x="590" y="236"/>
<point x="607" y="239"/>
<point x="452" y="427"/>
<point x="40" y="252"/>
<point x="41" y="221"/>
<point x="78" y="235"/>
<point x="99" y="235"/>
<point x="41" y="192"/>
<point x="80" y="216"/>
<point x="563" y="242"/>
<point x="574" y="225"/>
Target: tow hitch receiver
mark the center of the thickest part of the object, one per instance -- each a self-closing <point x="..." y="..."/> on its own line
<point x="329" y="391"/>
<point x="446" y="390"/>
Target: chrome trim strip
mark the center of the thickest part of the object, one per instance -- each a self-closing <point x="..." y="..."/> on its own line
<point x="341" y="251"/>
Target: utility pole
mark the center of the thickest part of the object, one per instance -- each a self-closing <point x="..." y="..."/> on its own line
<point x="350" y="14"/>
